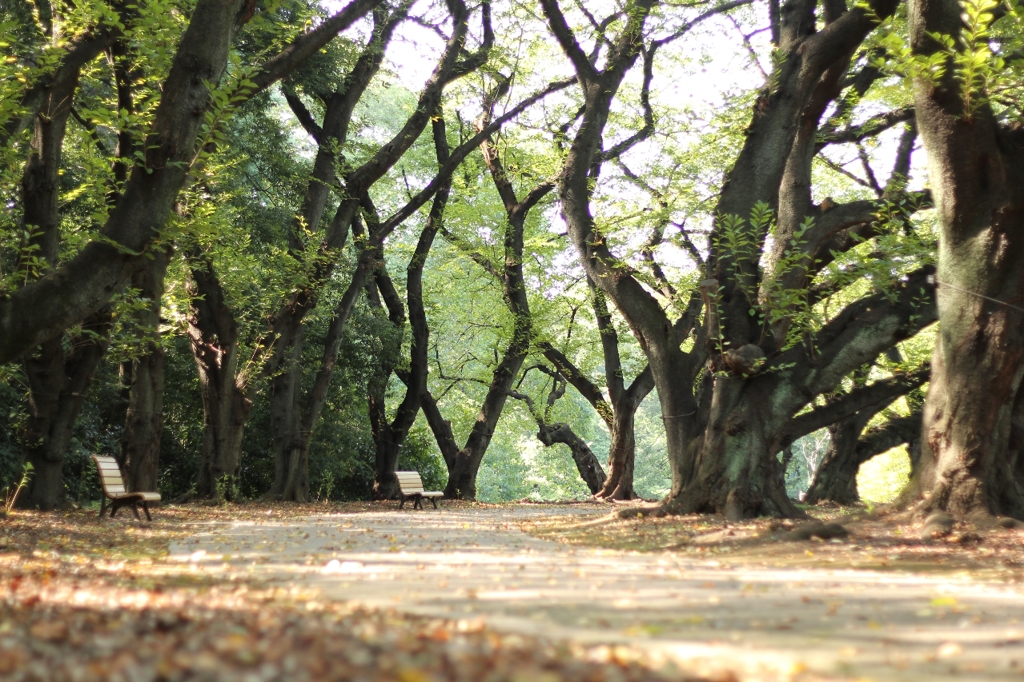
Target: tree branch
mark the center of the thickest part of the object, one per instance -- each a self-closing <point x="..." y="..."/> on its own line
<point x="880" y="393"/>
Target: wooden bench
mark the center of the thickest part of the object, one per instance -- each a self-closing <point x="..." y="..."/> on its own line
<point x="114" y="490"/>
<point x="410" y="487"/>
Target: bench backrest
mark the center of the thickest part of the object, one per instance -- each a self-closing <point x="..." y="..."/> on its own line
<point x="410" y="482"/>
<point x="110" y="475"/>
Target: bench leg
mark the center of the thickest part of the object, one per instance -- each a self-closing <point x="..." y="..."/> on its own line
<point x="433" y="501"/>
<point x="145" y="508"/>
<point x="114" y="506"/>
<point x="103" y="505"/>
<point x="419" y="503"/>
<point x="135" y="509"/>
<point x="401" y="505"/>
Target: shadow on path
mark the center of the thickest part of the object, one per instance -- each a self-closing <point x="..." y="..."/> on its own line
<point x="760" y="623"/>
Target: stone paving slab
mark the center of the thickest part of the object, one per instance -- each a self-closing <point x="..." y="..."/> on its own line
<point x="476" y="565"/>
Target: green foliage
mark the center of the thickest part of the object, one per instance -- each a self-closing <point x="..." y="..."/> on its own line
<point x="980" y="57"/>
<point x="12" y="491"/>
<point x="504" y="476"/>
<point x="882" y="478"/>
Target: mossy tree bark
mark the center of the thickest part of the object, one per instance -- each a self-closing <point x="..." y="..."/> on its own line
<point x="976" y="162"/>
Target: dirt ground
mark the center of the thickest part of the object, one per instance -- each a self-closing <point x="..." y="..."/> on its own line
<point x="880" y="540"/>
<point x="361" y="592"/>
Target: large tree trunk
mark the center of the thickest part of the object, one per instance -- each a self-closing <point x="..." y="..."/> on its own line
<point x="140" y="445"/>
<point x="213" y="336"/>
<point x="58" y="385"/>
<point x="836" y="476"/>
<point x="977" y="167"/>
<point x="737" y="472"/>
<point x="735" y="475"/>
<point x="621" y="458"/>
<point x="58" y="379"/>
<point x="289" y="441"/>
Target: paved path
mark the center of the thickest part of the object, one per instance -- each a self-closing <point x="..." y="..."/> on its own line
<point x="764" y="624"/>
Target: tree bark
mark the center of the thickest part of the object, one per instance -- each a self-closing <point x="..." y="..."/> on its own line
<point x="140" y="444"/>
<point x="977" y="166"/>
<point x="289" y="441"/>
<point x="586" y="461"/>
<point x="387" y="438"/>
<point x="58" y="378"/>
<point x="58" y="384"/>
<point x="213" y="335"/>
<point x="836" y="477"/>
<point x="621" y="458"/>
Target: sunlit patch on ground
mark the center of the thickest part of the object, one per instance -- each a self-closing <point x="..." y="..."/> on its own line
<point x="363" y="591"/>
<point x="877" y="541"/>
<point x="85" y="599"/>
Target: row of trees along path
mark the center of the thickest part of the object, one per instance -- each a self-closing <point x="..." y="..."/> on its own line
<point x="783" y="325"/>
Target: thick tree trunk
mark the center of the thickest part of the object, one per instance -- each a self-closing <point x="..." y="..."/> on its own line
<point x="836" y="477"/>
<point x="213" y="336"/>
<point x="140" y="444"/>
<point x="621" y="458"/>
<point x="289" y="440"/>
<point x="735" y="475"/>
<point x="977" y="167"/>
<point x="144" y="422"/>
<point x="385" y="483"/>
<point x="58" y="385"/>
<point x="225" y="411"/>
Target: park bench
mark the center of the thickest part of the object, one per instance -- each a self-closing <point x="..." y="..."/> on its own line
<point x="410" y="487"/>
<point x="114" y="490"/>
